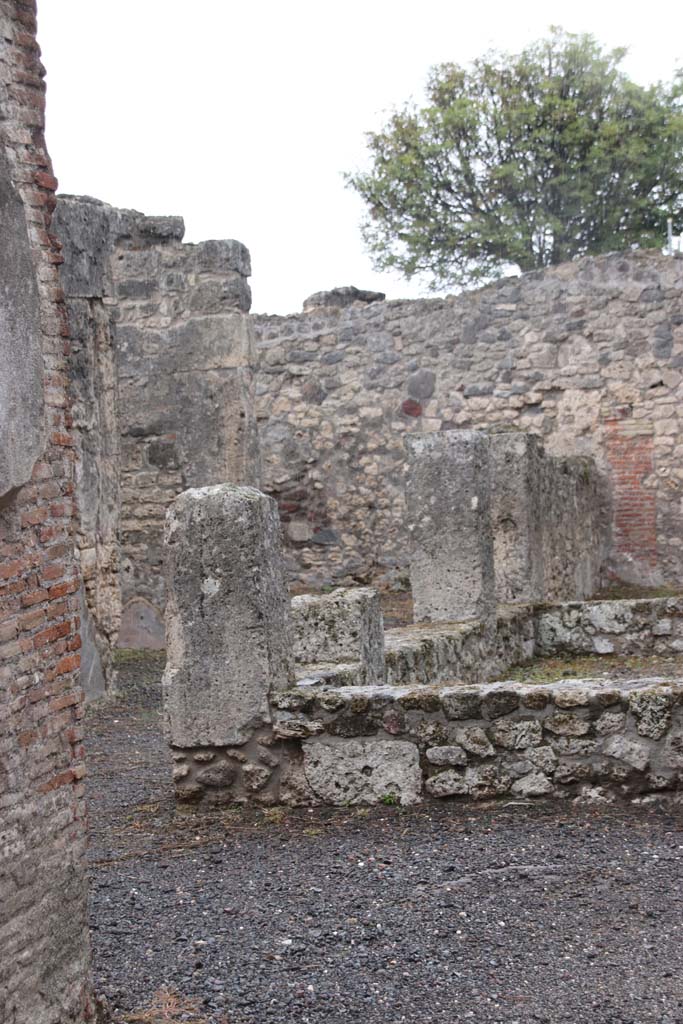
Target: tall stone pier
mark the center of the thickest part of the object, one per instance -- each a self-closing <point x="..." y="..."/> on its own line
<point x="516" y="467"/>
<point x="448" y="496"/>
<point x="228" y="640"/>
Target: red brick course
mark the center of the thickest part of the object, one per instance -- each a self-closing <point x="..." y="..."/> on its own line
<point x="630" y="456"/>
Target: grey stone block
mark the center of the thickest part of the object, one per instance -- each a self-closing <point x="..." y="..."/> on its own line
<point x="22" y="421"/>
<point x="344" y="626"/>
<point x="516" y="514"/>
<point x="363" y="771"/>
<point x="448" y="496"/>
<point x="227" y="615"/>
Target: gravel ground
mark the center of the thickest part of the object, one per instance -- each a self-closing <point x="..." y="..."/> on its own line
<point x="506" y="912"/>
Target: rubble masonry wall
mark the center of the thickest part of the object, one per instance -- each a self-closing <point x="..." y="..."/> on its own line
<point x="587" y="355"/>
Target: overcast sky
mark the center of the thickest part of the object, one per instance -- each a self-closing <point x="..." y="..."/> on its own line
<point x="242" y="116"/>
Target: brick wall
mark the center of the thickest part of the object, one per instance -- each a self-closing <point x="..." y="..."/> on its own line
<point x="44" y="954"/>
<point x="629" y="447"/>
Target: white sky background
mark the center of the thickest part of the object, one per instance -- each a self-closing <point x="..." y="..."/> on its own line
<point x="241" y="115"/>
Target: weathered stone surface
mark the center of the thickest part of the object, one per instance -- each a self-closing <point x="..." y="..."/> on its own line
<point x="544" y="758"/>
<point x="162" y="361"/>
<point x="340" y="297"/>
<point x="497" y="702"/>
<point x="516" y="735"/>
<point x="142" y="626"/>
<point x="565" y="724"/>
<point x="296" y="727"/>
<point x="517" y="514"/>
<point x="610" y="722"/>
<point x="652" y="710"/>
<point x="218" y="775"/>
<point x="475" y="741"/>
<point x="448" y="493"/>
<point x="548" y="361"/>
<point x="22" y="426"/>
<point x="633" y="752"/>
<point x="621" y="627"/>
<point x="672" y="756"/>
<point x="576" y="697"/>
<point x="227" y="616"/>
<point x="448" y="783"/>
<point x="453" y="755"/>
<point x="462" y="704"/>
<point x="344" y="626"/>
<point x="44" y="941"/>
<point x="363" y="771"/>
<point x="534" y="784"/>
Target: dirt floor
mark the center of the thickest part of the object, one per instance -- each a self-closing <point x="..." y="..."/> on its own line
<point x="512" y="912"/>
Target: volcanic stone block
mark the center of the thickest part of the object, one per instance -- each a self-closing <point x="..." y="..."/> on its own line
<point x="22" y="427"/>
<point x="344" y="626"/>
<point x="227" y="615"/>
<point x="363" y="771"/>
<point x="516" y="516"/>
<point x="448" y="495"/>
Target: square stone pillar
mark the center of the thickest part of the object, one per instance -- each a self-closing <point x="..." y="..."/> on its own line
<point x="448" y="496"/>
<point x="516" y="502"/>
<point x="227" y="615"/>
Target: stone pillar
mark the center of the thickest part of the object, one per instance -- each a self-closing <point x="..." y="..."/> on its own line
<point x="448" y="496"/>
<point x="516" y="474"/>
<point x="344" y="626"/>
<point x="227" y="616"/>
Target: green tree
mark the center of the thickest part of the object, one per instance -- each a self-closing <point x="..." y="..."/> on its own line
<point x="523" y="160"/>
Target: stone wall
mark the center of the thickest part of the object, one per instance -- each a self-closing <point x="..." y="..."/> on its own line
<point x="644" y="627"/>
<point x="587" y="355"/>
<point x="43" y="923"/>
<point x="245" y="724"/>
<point x="164" y="371"/>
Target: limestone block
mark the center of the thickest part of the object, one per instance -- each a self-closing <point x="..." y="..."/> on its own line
<point x="344" y="626"/>
<point x="534" y="784"/>
<point x="453" y="755"/>
<point x="486" y="780"/>
<point x="448" y="497"/>
<point x="516" y="735"/>
<point x="363" y="771"/>
<point x="22" y="427"/>
<point x="516" y="516"/>
<point x="652" y="711"/>
<point x="564" y="724"/>
<point x="227" y="615"/>
<point x="473" y="739"/>
<point x="633" y="752"/>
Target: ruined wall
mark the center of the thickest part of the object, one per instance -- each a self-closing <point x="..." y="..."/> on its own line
<point x="166" y="392"/>
<point x="84" y="233"/>
<point x="588" y="355"/>
<point x="43" y="934"/>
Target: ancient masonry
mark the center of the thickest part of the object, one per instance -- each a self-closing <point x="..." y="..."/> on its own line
<point x="43" y="925"/>
<point x="587" y="355"/>
<point x="314" y="703"/>
<point x="162" y="364"/>
<point x="172" y="373"/>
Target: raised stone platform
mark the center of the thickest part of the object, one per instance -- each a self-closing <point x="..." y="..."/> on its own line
<point x="355" y="744"/>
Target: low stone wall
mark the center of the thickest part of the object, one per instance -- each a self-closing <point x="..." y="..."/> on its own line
<point x="652" y="626"/>
<point x="432" y="724"/>
<point x="405" y="745"/>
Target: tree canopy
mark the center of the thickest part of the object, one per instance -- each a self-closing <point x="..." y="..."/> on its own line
<point x="523" y="161"/>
